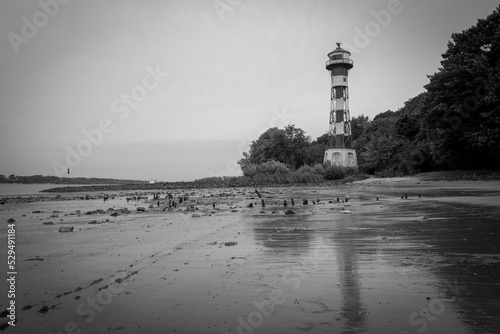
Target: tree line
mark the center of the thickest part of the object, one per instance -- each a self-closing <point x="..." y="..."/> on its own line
<point x="63" y="180"/>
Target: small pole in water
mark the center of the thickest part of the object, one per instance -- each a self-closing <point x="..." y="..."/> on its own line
<point x="68" y="177"/>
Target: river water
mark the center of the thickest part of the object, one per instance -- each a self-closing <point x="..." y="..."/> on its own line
<point x="19" y="189"/>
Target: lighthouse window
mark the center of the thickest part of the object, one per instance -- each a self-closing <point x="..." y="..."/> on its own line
<point x="350" y="159"/>
<point x="339" y="71"/>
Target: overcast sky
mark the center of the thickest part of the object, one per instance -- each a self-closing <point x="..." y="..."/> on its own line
<point x="178" y="89"/>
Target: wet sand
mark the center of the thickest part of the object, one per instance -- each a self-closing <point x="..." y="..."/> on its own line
<point x="423" y="264"/>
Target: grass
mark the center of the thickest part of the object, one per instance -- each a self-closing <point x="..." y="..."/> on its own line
<point x="461" y="175"/>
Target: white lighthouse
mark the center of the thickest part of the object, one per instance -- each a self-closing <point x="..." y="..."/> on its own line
<point x="339" y="151"/>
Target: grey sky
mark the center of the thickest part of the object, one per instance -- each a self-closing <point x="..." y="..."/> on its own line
<point x="230" y="73"/>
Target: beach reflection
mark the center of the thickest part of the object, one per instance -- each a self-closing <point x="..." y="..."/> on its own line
<point x="391" y="270"/>
<point x="352" y="307"/>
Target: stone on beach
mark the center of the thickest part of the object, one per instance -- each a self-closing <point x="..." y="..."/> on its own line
<point x="230" y="243"/>
<point x="95" y="212"/>
<point x="66" y="229"/>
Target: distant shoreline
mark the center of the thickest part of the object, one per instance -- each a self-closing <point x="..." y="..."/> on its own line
<point x="236" y="182"/>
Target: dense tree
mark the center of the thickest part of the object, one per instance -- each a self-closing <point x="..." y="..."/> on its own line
<point x="289" y="146"/>
<point x="395" y="143"/>
<point x="317" y="150"/>
<point x="358" y="125"/>
<point x="463" y="100"/>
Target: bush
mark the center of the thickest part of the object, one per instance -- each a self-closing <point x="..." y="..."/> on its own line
<point x="349" y="178"/>
<point x="276" y="172"/>
<point x="318" y="169"/>
<point x="334" y="173"/>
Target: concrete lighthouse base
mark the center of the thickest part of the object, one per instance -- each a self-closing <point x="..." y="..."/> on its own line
<point x="342" y="157"/>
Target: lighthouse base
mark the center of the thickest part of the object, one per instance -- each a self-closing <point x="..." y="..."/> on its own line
<point x="342" y="157"/>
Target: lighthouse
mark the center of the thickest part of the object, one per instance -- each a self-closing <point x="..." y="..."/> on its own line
<point x="339" y="151"/>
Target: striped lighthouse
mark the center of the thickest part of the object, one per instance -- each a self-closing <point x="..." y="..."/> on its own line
<point x="339" y="151"/>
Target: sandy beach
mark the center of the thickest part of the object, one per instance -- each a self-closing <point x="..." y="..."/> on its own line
<point x="390" y="256"/>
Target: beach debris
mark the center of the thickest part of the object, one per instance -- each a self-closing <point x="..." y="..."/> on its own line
<point x="11" y="220"/>
<point x="141" y="209"/>
<point x="213" y="243"/>
<point x="304" y="202"/>
<point x="289" y="212"/>
<point x="125" y="210"/>
<point x="93" y="222"/>
<point x="263" y="204"/>
<point x="37" y="211"/>
<point x="44" y="309"/>
<point x="150" y="206"/>
<point x="37" y="258"/>
<point x="285" y="203"/>
<point x="196" y="215"/>
<point x="66" y="229"/>
<point x="47" y="223"/>
<point x="250" y="205"/>
<point x="114" y="214"/>
<point x="234" y="210"/>
<point x="230" y="243"/>
<point x="293" y="203"/>
<point x="95" y="212"/>
<point x="257" y="193"/>
<point x="346" y="212"/>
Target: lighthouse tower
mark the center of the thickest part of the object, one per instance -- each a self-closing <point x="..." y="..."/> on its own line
<point x="339" y="151"/>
